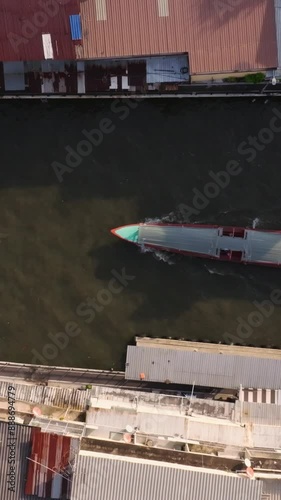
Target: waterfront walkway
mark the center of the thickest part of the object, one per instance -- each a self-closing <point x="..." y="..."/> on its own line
<point x="187" y="90"/>
<point x="60" y="374"/>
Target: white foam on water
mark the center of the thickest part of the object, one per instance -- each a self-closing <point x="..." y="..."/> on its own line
<point x="214" y="271"/>
<point x="224" y="212"/>
<point x="143" y="249"/>
<point x="256" y="222"/>
<point x="163" y="256"/>
<point x="220" y="273"/>
<point x="156" y="220"/>
<point x="171" y="217"/>
<point x="158" y="255"/>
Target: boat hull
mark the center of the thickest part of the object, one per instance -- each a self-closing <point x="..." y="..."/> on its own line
<point x="219" y="243"/>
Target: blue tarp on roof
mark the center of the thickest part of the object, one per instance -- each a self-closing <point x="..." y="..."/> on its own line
<point x="75" y="26"/>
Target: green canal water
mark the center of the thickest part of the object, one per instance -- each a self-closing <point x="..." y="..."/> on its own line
<point x="66" y="280"/>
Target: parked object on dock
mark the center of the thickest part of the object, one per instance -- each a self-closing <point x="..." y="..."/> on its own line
<point x="231" y="244"/>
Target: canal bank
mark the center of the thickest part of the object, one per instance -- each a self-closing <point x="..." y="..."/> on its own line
<point x="183" y="91"/>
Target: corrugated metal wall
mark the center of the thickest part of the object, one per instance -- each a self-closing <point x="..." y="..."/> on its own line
<point x="72" y="77"/>
<point x="278" y="29"/>
<point x="2" y="83"/>
<point x="268" y="396"/>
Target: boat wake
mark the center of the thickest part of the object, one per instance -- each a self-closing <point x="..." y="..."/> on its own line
<point x="256" y="222"/>
<point x="214" y="271"/>
<point x="173" y="218"/>
<point x="220" y="273"/>
<point x="159" y="255"/>
<point x="154" y="220"/>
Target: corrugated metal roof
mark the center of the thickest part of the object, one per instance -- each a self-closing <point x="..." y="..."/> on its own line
<point x="119" y="28"/>
<point x="210" y="370"/>
<point x="51" y="460"/>
<point x="217" y="433"/>
<point x="200" y="27"/>
<point x="160" y="418"/>
<point x="272" y="488"/>
<point x="257" y="413"/>
<point x="64" y="427"/>
<point x="261" y="435"/>
<point x="23" y="23"/>
<point x="22" y="438"/>
<point x="107" y="404"/>
<point x="161" y="427"/>
<point x="74" y="399"/>
<point x="118" y="478"/>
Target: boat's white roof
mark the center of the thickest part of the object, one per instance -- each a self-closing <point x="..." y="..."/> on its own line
<point x="186" y="239"/>
<point x="263" y="246"/>
<point x="256" y="246"/>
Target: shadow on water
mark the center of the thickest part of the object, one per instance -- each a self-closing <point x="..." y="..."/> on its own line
<point x="168" y="291"/>
<point x="58" y="248"/>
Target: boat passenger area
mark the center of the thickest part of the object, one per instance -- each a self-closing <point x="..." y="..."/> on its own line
<point x="231" y="244"/>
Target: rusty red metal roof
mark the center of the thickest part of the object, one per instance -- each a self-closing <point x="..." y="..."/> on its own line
<point x="218" y="37"/>
<point x="22" y="24"/>
<point x="49" y="466"/>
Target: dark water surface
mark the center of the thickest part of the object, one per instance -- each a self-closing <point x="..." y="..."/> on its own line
<point x="56" y="248"/>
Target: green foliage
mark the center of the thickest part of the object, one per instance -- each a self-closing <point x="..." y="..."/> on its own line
<point x="250" y="78"/>
<point x="255" y="78"/>
<point x="230" y="79"/>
